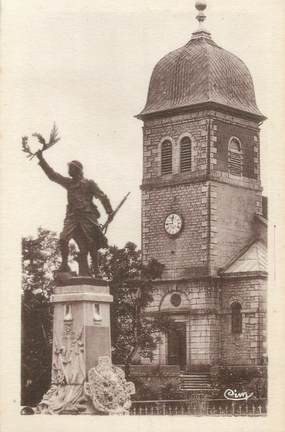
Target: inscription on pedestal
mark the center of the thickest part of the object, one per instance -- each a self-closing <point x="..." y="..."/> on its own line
<point x="97" y="342"/>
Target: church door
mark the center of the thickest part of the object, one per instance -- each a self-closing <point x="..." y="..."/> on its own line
<point x="177" y="345"/>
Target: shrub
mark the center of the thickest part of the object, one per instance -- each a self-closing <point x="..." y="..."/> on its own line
<point x="246" y="379"/>
<point x="152" y="391"/>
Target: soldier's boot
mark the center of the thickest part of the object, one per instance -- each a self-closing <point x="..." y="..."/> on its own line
<point x="83" y="263"/>
<point x="94" y="257"/>
<point x="64" y="267"/>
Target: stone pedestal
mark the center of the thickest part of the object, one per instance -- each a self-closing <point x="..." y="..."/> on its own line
<point x="81" y="334"/>
<point x="81" y="325"/>
<point x="83" y="377"/>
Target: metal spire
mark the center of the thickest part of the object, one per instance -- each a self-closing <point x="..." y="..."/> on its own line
<point x="201" y="5"/>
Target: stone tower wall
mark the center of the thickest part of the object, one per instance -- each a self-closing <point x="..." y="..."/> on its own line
<point x="187" y="252"/>
<point x="217" y="207"/>
<point x="194" y="125"/>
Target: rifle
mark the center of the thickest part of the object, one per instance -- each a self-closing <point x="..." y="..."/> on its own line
<point x="106" y="224"/>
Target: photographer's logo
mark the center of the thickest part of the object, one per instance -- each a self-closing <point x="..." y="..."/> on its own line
<point x="235" y="395"/>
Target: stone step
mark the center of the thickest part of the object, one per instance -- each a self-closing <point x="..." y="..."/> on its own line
<point x="194" y="377"/>
<point x="189" y="383"/>
<point x="194" y="382"/>
<point x="195" y="385"/>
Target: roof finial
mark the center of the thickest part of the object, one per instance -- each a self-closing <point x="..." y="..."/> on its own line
<point x="201" y="5"/>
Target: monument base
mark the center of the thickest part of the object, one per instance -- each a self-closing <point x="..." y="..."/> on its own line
<point x="83" y="378"/>
<point x="105" y="392"/>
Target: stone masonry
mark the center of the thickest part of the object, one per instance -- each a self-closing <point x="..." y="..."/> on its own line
<point x="249" y="347"/>
<point x="201" y="173"/>
<point x="208" y="198"/>
<point x="218" y="211"/>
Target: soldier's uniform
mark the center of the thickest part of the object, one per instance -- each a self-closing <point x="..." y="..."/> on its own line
<point x="81" y="212"/>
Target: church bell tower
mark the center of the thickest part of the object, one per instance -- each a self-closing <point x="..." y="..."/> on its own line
<point x="201" y="197"/>
<point x="201" y="170"/>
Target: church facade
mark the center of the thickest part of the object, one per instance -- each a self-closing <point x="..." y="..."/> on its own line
<point x="203" y="214"/>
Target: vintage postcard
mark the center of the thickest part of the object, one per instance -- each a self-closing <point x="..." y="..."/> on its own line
<point x="142" y="229"/>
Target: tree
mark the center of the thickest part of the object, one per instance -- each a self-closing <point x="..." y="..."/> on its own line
<point x="130" y="282"/>
<point x="40" y="256"/>
<point x="133" y="332"/>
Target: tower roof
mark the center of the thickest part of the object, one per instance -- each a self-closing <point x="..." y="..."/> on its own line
<point x="201" y="73"/>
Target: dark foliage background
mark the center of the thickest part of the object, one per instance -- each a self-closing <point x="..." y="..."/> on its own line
<point x="133" y="333"/>
<point x="243" y="379"/>
<point x="147" y="390"/>
<point x="40" y="256"/>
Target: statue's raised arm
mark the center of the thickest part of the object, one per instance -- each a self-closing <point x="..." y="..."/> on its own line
<point x="51" y="174"/>
<point x="81" y="221"/>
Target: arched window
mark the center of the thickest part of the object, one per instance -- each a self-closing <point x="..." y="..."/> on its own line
<point x="185" y="154"/>
<point x="166" y="157"/>
<point x="235" y="157"/>
<point x="236" y="318"/>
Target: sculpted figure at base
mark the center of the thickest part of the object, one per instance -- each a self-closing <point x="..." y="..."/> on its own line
<point x="105" y="392"/>
<point x="81" y="221"/>
<point x="108" y="389"/>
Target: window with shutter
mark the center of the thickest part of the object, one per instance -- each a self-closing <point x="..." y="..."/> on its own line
<point x="235" y="157"/>
<point x="166" y="158"/>
<point x="185" y="154"/>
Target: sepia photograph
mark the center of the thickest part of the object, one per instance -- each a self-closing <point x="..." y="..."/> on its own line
<point x="144" y="176"/>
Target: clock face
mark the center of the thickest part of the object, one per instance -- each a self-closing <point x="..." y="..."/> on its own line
<point x="173" y="224"/>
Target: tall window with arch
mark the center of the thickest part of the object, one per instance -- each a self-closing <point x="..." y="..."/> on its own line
<point x="235" y="157"/>
<point x="185" y="154"/>
<point x="236" y="318"/>
<point x="166" y="157"/>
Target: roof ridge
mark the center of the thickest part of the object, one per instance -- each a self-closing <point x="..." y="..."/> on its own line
<point x="257" y="246"/>
<point x="238" y="255"/>
<point x="210" y="79"/>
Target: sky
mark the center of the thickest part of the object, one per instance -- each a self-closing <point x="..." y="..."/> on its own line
<point x="86" y="66"/>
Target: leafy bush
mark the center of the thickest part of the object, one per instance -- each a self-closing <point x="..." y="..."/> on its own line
<point x="246" y="379"/>
<point x="171" y="391"/>
<point x="147" y="390"/>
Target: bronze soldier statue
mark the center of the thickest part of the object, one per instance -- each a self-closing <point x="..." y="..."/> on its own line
<point x="81" y="220"/>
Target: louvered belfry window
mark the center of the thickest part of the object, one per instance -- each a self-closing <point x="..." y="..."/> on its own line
<point x="185" y="154"/>
<point x="236" y="318"/>
<point x="166" y="158"/>
<point x="235" y="157"/>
